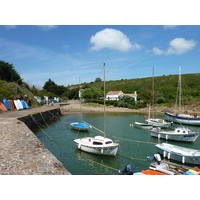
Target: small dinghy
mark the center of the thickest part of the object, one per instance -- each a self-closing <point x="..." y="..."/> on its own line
<point x="181" y="154"/>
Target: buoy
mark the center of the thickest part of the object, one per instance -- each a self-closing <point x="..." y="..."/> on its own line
<point x="183" y="159"/>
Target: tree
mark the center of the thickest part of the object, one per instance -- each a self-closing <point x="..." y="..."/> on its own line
<point x="8" y="73"/>
<point x="49" y="86"/>
<point x="98" y="80"/>
<point x="92" y="93"/>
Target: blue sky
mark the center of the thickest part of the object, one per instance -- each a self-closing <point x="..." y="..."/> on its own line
<point x="64" y="53"/>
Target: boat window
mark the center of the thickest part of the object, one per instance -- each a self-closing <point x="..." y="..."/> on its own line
<point x="109" y="142"/>
<point x="178" y="131"/>
<point x="97" y="143"/>
<point x="183" y="131"/>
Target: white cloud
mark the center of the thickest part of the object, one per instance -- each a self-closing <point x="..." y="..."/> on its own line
<point x="157" y="51"/>
<point x="112" y="39"/>
<point x="176" y="46"/>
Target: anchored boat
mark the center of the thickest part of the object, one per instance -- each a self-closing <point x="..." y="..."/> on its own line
<point x="178" y="134"/>
<point x="181" y="154"/>
<point x="98" y="145"/>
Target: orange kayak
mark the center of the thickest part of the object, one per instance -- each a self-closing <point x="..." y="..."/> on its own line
<point x="2" y="107"/>
<point x="152" y="172"/>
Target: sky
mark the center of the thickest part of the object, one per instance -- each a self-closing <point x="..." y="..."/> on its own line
<point x="70" y="41"/>
<point x="63" y="53"/>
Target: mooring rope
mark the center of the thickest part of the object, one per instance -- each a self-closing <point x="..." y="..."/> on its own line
<point x="44" y="120"/>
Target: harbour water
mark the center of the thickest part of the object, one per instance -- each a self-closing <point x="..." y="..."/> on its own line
<point x="135" y="143"/>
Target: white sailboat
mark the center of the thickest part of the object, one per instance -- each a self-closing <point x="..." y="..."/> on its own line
<point x="182" y="118"/>
<point x="98" y="145"/>
<point x="152" y="121"/>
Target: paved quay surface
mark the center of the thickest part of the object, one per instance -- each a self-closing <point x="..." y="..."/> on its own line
<point x="21" y="152"/>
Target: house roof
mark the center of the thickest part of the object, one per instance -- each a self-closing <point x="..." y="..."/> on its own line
<point x="113" y="92"/>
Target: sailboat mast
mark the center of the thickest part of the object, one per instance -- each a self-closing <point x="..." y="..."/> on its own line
<point x="180" y="89"/>
<point x="153" y="90"/>
<point x="80" y="97"/>
<point x="104" y="100"/>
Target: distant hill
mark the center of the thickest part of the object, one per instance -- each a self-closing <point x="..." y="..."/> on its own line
<point x="165" y="87"/>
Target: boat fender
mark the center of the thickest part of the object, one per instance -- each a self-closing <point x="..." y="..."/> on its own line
<point x="102" y="150"/>
<point x="166" y="137"/>
<point x="158" y="136"/>
<point x="164" y="154"/>
<point x="79" y="145"/>
<point x="128" y="170"/>
<point x="168" y="156"/>
<point x="157" y="158"/>
<point x="183" y="159"/>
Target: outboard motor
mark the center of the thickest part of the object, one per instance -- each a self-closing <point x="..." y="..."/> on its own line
<point x="128" y="170"/>
<point x="156" y="158"/>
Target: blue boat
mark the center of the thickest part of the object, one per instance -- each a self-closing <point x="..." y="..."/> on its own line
<point x="24" y="104"/>
<point x="181" y="154"/>
<point x="80" y="126"/>
<point x="6" y="104"/>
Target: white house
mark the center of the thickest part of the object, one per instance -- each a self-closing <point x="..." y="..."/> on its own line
<point x="117" y="95"/>
<point x="114" y="95"/>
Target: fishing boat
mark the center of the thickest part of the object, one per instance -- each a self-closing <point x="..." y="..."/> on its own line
<point x="179" y="116"/>
<point x="178" y="134"/>
<point x="181" y="154"/>
<point x="99" y="144"/>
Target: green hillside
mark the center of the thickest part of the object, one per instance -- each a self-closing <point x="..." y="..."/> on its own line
<point x="165" y="87"/>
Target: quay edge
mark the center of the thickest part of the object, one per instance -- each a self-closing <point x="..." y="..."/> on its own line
<point x="21" y="152"/>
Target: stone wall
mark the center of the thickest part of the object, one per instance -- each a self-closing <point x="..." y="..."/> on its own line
<point x="32" y="120"/>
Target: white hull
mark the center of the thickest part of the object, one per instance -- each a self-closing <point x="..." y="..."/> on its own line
<point x="158" y="123"/>
<point x="184" y="119"/>
<point x="181" y="154"/>
<point x="142" y="125"/>
<point x="172" y="135"/>
<point x="91" y="145"/>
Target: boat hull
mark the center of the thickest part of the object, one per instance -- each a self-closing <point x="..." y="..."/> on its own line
<point x="195" y="160"/>
<point x="107" y="150"/>
<point x="142" y="125"/>
<point x="80" y="126"/>
<point x="182" y="120"/>
<point x="176" y="137"/>
<point x="156" y="123"/>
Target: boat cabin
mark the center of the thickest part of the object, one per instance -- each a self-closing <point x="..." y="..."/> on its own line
<point x="182" y="131"/>
<point x="99" y="140"/>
